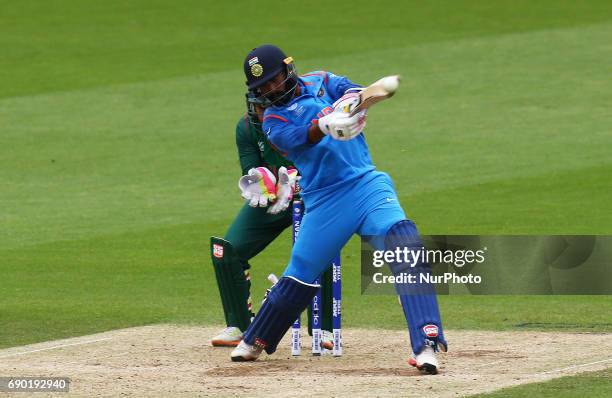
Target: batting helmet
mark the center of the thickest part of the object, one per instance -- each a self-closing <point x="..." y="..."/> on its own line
<point x="263" y="64"/>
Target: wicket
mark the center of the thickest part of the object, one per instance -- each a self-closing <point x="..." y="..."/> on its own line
<point x="316" y="310"/>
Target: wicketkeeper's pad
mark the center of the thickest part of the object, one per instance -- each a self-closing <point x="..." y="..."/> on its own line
<point x="234" y="283"/>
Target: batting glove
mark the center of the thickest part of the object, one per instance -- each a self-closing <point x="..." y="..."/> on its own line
<point x="340" y="126"/>
<point x="347" y="102"/>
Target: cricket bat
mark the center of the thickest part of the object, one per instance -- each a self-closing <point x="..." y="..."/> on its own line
<point x="376" y="92"/>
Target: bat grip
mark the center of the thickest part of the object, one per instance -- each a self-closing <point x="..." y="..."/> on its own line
<point x="272" y="278"/>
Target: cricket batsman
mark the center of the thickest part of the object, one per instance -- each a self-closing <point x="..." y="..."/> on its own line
<point x="268" y="185"/>
<point x="309" y="118"/>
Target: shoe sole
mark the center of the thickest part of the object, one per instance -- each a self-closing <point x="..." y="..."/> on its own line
<point x="428" y="368"/>
<point x="243" y="359"/>
<point x="224" y="343"/>
<point x="425" y="368"/>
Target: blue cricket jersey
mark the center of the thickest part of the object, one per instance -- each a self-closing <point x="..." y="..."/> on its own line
<point x="330" y="163"/>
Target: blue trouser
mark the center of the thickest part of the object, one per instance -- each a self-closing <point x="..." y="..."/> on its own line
<point x="369" y="207"/>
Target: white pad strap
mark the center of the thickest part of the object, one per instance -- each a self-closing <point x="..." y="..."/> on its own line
<point x="303" y="283"/>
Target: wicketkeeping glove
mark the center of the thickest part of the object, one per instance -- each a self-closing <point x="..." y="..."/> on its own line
<point x="284" y="189"/>
<point x="258" y="187"/>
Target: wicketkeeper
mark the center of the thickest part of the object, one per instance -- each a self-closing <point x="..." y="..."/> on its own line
<point x="268" y="185"/>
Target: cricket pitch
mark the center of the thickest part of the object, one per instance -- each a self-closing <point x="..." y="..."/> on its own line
<point x="169" y="360"/>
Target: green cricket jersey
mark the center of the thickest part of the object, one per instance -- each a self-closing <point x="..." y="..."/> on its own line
<point x="254" y="149"/>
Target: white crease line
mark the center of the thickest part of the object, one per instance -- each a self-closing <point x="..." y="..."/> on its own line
<point x="54" y="347"/>
<point x="575" y="366"/>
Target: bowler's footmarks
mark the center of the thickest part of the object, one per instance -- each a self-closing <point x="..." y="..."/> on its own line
<point x="229" y="337"/>
<point x="425" y="361"/>
<point x="246" y="352"/>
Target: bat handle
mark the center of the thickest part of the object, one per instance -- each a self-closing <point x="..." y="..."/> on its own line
<point x="357" y="107"/>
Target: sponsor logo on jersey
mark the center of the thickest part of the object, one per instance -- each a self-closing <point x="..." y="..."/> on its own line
<point x="325" y="111"/>
<point x="217" y="250"/>
<point x="297" y="109"/>
<point x="430" y="330"/>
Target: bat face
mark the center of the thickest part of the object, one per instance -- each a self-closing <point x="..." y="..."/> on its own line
<point x="376" y="92"/>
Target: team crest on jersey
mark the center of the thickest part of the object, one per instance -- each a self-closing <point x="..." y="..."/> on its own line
<point x="430" y="330"/>
<point x="217" y="250"/>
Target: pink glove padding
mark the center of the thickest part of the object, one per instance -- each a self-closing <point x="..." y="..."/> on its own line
<point x="285" y="189"/>
<point x="258" y="187"/>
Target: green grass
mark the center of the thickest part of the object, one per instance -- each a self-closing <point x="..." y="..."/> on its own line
<point x="80" y="287"/>
<point x="557" y="201"/>
<point x="597" y="384"/>
<point x="117" y="159"/>
<point x="73" y="44"/>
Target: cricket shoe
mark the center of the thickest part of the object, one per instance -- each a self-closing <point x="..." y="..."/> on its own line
<point x="425" y="361"/>
<point x="229" y="337"/>
<point x="327" y="340"/>
<point x="246" y="352"/>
